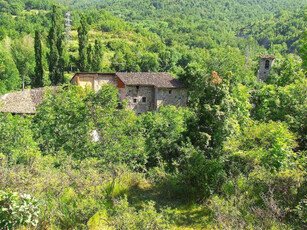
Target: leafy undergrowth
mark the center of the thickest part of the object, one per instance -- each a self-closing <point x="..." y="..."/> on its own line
<point x="143" y="195"/>
<point x="183" y="215"/>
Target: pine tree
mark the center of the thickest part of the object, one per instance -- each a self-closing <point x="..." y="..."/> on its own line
<point x="56" y="45"/>
<point x="98" y="56"/>
<point x="39" y="71"/>
<point x="83" y="44"/>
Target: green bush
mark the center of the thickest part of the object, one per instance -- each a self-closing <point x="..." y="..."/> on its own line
<point x="16" y="140"/>
<point x="123" y="216"/>
<point x="66" y="121"/>
<point x="237" y="212"/>
<point x="18" y="209"/>
<point x="200" y="177"/>
<point x="164" y="132"/>
<point x="283" y="185"/>
<point x="301" y="211"/>
<point x="269" y="144"/>
<point x="60" y="119"/>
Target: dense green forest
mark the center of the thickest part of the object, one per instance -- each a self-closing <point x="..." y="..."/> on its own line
<point x="234" y="158"/>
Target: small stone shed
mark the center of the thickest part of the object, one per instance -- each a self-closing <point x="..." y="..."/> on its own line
<point x="143" y="91"/>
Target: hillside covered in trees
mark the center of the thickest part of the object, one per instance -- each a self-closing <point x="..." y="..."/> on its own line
<point x="234" y="158"/>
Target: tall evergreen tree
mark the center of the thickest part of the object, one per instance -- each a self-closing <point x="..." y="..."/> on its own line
<point x="98" y="55"/>
<point x="83" y="43"/>
<point x="39" y="71"/>
<point x="90" y="58"/>
<point x="56" y="45"/>
<point x="303" y="50"/>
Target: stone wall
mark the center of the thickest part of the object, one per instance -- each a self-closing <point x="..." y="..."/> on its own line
<point x="104" y="79"/>
<point x="94" y="80"/>
<point x="139" y="98"/>
<point x="264" y="72"/>
<point x="87" y="81"/>
<point x="135" y="95"/>
<point x="177" y="97"/>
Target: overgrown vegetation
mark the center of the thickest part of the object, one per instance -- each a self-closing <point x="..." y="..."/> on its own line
<point x="234" y="158"/>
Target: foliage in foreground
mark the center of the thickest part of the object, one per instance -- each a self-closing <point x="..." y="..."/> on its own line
<point x="18" y="209"/>
<point x="123" y="216"/>
<point x="256" y="179"/>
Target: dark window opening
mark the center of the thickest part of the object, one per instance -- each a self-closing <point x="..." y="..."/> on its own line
<point x="267" y="64"/>
<point x="144" y="99"/>
<point x="137" y="87"/>
<point x="170" y="91"/>
<point x="134" y="100"/>
<point x="119" y="105"/>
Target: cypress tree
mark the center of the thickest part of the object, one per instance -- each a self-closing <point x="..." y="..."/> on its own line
<point x="90" y="58"/>
<point x="39" y="71"/>
<point x="56" y="45"/>
<point x="303" y="50"/>
<point x="83" y="43"/>
<point x="98" y="56"/>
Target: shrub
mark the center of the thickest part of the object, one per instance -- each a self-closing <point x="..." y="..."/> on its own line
<point x="301" y="211"/>
<point x="268" y="144"/>
<point x="67" y="120"/>
<point x="16" y="139"/>
<point x="61" y="123"/>
<point x="201" y="177"/>
<point x="18" y="209"/>
<point x="195" y="177"/>
<point x="164" y="132"/>
<point x="122" y="216"/>
<point x="237" y="212"/>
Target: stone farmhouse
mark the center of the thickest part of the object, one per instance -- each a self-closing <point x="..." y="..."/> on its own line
<point x="143" y="91"/>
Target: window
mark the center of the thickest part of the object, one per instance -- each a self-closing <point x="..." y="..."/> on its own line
<point x="170" y="92"/>
<point x="134" y="100"/>
<point x="144" y="99"/>
<point x="119" y="106"/>
<point x="267" y="64"/>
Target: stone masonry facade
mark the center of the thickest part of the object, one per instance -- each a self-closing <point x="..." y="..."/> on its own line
<point x="142" y="91"/>
<point x="265" y="66"/>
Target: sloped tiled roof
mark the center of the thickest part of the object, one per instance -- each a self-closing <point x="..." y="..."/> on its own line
<point x="22" y="102"/>
<point x="159" y="80"/>
<point x="267" y="56"/>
